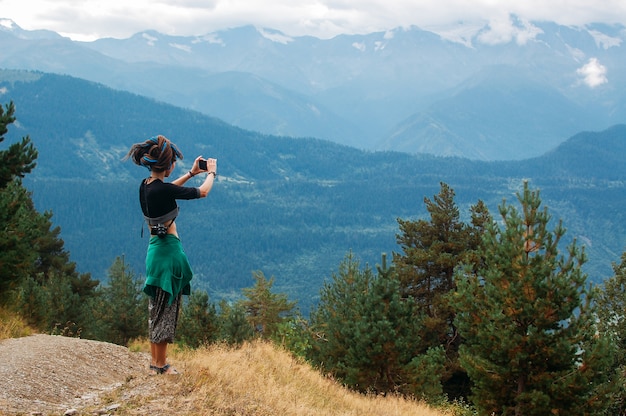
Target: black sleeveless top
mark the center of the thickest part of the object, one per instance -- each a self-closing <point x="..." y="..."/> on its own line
<point x="158" y="200"/>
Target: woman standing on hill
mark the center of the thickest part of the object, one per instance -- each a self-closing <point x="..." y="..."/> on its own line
<point x="168" y="272"/>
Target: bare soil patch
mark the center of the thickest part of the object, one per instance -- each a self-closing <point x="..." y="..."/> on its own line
<point x="45" y="374"/>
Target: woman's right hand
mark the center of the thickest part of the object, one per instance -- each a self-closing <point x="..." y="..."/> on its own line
<point x="206" y="186"/>
<point x="211" y="165"/>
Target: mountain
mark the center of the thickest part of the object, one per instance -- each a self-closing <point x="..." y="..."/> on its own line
<point x="289" y="207"/>
<point x="494" y="115"/>
<point x="474" y="95"/>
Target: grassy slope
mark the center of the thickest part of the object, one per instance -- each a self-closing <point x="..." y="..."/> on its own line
<point x="256" y="379"/>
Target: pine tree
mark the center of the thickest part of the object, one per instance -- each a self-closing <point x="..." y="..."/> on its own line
<point x="432" y="250"/>
<point x="364" y="333"/>
<point x="19" y="158"/>
<point x="198" y="321"/>
<point x="32" y="302"/>
<point x="16" y="254"/>
<point x="33" y="263"/>
<point x="265" y="310"/>
<point x="527" y="319"/>
<point x="333" y="321"/>
<point x="51" y="304"/>
<point x="293" y="335"/>
<point x="383" y="354"/>
<point x="123" y="309"/>
<point x="611" y="303"/>
<point x="233" y="324"/>
<point x="64" y="306"/>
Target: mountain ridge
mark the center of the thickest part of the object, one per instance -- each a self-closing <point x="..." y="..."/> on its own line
<point x="360" y="89"/>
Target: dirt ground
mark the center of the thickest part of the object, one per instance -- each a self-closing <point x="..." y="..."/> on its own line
<point x="49" y="375"/>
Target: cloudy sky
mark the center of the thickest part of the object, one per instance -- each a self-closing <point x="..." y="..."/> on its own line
<point x="92" y="19"/>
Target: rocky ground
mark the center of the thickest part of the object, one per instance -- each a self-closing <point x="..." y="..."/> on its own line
<point x="44" y="374"/>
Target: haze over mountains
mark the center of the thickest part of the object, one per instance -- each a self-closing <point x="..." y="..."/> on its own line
<point x="463" y="94"/>
<point x="289" y="207"/>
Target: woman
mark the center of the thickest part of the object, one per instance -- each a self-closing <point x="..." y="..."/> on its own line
<point x="168" y="272"/>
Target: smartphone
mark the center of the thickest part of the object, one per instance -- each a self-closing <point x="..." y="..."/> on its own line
<point x="202" y="164"/>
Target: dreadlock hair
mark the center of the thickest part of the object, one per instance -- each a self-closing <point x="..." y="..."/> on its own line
<point x="157" y="153"/>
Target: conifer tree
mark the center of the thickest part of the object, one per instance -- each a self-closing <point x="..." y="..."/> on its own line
<point x="233" y="324"/>
<point x="383" y="355"/>
<point x="198" y="321"/>
<point x="19" y="158"/>
<point x="265" y="310"/>
<point x="530" y="345"/>
<point x="432" y="249"/>
<point x="64" y="306"/>
<point x="611" y="301"/>
<point x="124" y="308"/>
<point x="16" y="210"/>
<point x="293" y="335"/>
<point x="364" y="333"/>
<point x="333" y="321"/>
<point x="16" y="254"/>
<point x="32" y="303"/>
<point x="34" y="267"/>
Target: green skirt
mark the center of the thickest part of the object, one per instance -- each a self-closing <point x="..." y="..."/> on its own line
<point x="167" y="267"/>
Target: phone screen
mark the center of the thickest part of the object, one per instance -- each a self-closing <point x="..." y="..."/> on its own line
<point x="202" y="164"/>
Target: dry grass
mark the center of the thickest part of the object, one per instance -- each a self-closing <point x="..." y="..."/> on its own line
<point x="12" y="326"/>
<point x="257" y="379"/>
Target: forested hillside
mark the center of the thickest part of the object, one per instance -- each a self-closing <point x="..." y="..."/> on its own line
<point x="485" y="299"/>
<point x="291" y="208"/>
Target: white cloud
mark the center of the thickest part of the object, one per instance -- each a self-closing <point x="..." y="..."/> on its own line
<point x="504" y="30"/>
<point x="388" y="35"/>
<point x="210" y="38"/>
<point x="576" y="53"/>
<point x="91" y="19"/>
<point x="603" y="40"/>
<point x="593" y="73"/>
<point x="185" y="48"/>
<point x="151" y="40"/>
<point x="359" y="45"/>
<point x="7" y="23"/>
<point x="275" y="36"/>
<point x="461" y="33"/>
